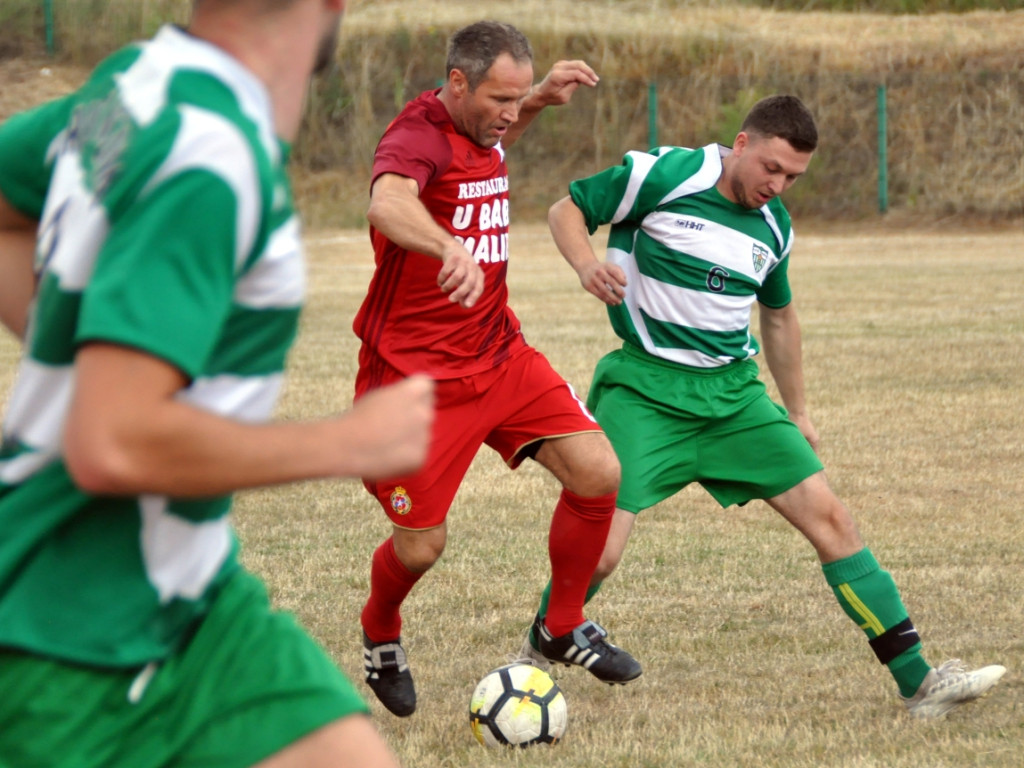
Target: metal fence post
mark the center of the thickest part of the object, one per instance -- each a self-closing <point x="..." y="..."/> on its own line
<point x="48" y="14"/>
<point x="883" y="170"/>
<point x="652" y="114"/>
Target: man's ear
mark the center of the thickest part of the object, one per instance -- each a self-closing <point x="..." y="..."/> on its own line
<point x="458" y="85"/>
<point x="740" y="143"/>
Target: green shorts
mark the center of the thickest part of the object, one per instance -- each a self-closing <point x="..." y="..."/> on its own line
<point x="671" y="426"/>
<point x="248" y="683"/>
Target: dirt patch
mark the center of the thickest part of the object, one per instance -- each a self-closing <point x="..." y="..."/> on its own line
<point x="31" y="81"/>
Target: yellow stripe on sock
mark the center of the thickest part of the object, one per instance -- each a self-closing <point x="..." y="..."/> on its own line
<point x="870" y="620"/>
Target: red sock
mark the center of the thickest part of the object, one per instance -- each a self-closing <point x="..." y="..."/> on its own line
<point x="390" y="583"/>
<point x="579" y="529"/>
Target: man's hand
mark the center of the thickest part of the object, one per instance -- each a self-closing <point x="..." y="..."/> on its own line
<point x="807" y="429"/>
<point x="460" y="276"/>
<point x="555" y="89"/>
<point x="561" y="83"/>
<point x="606" y="281"/>
<point x="394" y="424"/>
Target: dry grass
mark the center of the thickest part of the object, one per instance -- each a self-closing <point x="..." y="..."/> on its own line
<point x="830" y="40"/>
<point x="912" y="351"/>
<point x="912" y="347"/>
<point x="955" y="94"/>
<point x="913" y="355"/>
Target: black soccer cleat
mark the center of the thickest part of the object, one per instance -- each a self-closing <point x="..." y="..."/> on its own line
<point x="586" y="647"/>
<point x="388" y="675"/>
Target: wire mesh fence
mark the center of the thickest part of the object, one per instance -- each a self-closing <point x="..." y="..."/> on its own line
<point x="954" y="140"/>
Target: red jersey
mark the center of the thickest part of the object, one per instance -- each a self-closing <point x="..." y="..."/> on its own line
<point x="405" y="320"/>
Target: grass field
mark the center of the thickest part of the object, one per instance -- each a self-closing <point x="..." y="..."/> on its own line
<point x="913" y="358"/>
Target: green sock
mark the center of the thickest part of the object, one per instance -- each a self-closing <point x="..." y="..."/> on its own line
<point x="592" y="590"/>
<point x="869" y="596"/>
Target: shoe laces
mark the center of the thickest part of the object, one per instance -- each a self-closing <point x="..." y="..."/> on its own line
<point x="387" y="656"/>
<point x="949" y="671"/>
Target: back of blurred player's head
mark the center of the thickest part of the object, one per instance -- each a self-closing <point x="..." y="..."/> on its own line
<point x="473" y="49"/>
<point x="326" y="46"/>
<point x="257" y="5"/>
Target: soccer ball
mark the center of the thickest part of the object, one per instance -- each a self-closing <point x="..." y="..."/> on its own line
<point x="517" y="705"/>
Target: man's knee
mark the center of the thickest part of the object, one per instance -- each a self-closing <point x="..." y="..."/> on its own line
<point x="599" y="475"/>
<point x="585" y="464"/>
<point x="419" y="550"/>
<point x="834" y="533"/>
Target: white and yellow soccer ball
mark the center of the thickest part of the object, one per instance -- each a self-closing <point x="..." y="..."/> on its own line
<point x="517" y="705"/>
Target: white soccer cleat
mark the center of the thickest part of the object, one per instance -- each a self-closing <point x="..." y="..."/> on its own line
<point x="950" y="685"/>
<point x="530" y="655"/>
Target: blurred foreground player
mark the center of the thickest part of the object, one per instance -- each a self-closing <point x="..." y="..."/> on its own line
<point x="165" y="292"/>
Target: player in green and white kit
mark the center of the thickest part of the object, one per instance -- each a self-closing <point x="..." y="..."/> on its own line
<point x="697" y="237"/>
<point x="151" y="211"/>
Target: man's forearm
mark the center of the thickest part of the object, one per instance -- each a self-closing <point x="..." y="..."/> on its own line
<point x="569" y="231"/>
<point x="17" y="281"/>
<point x="405" y="221"/>
<point x="780" y="332"/>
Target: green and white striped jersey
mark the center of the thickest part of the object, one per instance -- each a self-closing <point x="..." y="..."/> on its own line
<point x="167" y="225"/>
<point x="694" y="261"/>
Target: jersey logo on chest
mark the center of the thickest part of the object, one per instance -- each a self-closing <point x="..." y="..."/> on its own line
<point x="759" y="256"/>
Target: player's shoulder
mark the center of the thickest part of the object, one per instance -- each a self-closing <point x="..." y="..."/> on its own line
<point x="419" y="134"/>
<point x="776" y="217"/>
<point x="780" y="214"/>
<point x="423" y="131"/>
<point x="676" y="162"/>
<point x="671" y="172"/>
<point x="181" y="83"/>
<point x="425" y="114"/>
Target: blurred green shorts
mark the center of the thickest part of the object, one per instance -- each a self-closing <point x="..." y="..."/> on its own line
<point x="249" y="683"/>
<point x="672" y="425"/>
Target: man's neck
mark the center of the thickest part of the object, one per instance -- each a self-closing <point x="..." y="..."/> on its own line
<point x="277" y="49"/>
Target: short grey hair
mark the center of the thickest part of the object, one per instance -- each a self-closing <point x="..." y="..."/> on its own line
<point x="473" y="49"/>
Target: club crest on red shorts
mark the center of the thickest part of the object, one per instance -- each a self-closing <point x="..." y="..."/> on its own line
<point x="400" y="501"/>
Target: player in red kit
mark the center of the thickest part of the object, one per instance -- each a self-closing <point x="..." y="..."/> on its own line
<point x="438" y="304"/>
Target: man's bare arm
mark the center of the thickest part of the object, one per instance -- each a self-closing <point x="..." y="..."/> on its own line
<point x="127" y="433"/>
<point x="569" y="230"/>
<point x="555" y="89"/>
<point x="397" y="212"/>
<point x="780" y="334"/>
<point x="17" y="281"/>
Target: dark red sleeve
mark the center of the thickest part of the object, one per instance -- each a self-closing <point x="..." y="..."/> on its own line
<point x="412" y="147"/>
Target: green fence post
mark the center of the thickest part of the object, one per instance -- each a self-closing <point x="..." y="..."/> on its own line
<point x="883" y="170"/>
<point x="48" y="14"/>
<point x="652" y="114"/>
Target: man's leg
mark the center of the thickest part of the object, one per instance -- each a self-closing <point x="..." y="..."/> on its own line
<point x="397" y="565"/>
<point x="352" y="742"/>
<point x="417" y="507"/>
<point x="615" y="546"/>
<point x="586" y="466"/>
<point x="869" y="596"/>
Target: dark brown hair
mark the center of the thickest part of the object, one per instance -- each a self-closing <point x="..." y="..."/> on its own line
<point x="784" y="117"/>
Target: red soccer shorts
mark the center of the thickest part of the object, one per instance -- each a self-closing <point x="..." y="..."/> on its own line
<point x="510" y="408"/>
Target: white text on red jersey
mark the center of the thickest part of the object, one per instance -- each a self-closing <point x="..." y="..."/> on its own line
<point x="474" y="189"/>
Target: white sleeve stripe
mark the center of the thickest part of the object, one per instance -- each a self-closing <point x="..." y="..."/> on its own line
<point x="642" y="164"/>
<point x="774" y="226"/>
<point x="228" y="155"/>
<point x="703" y="179"/>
